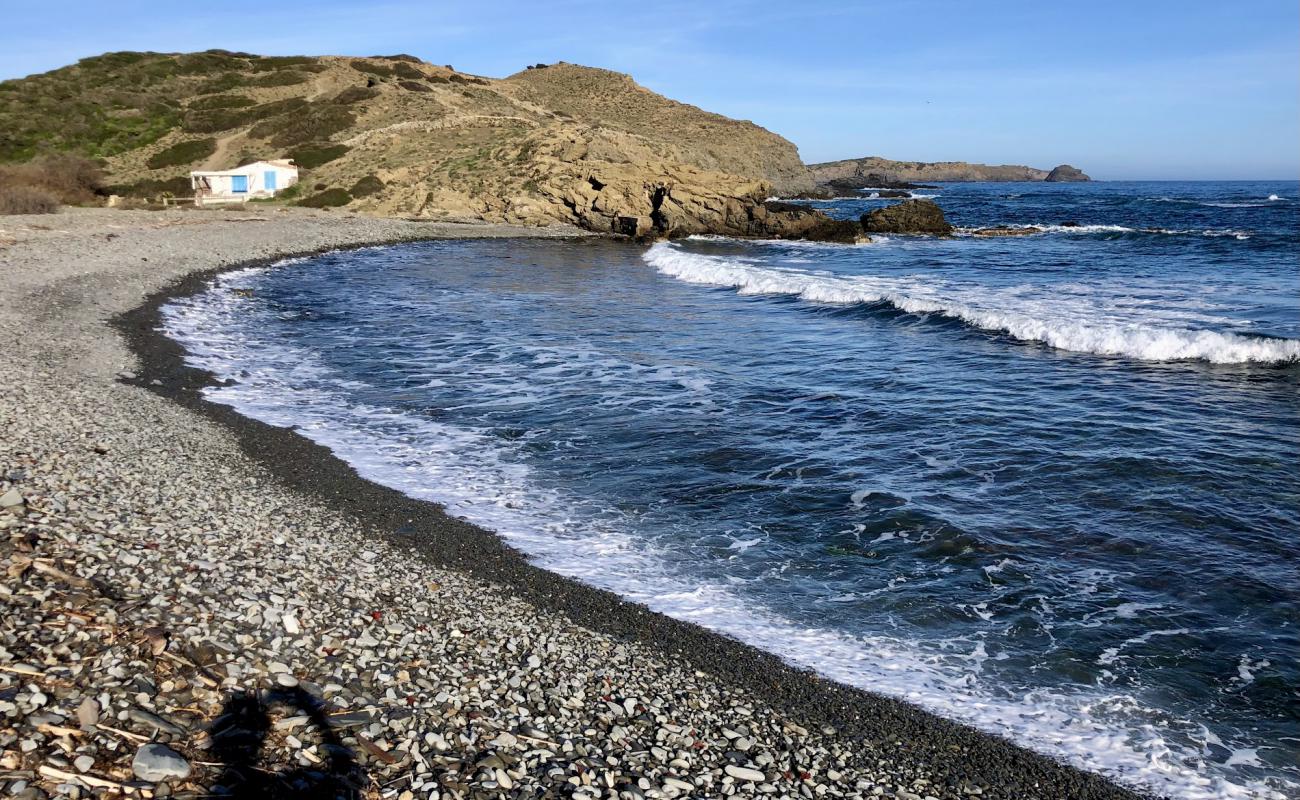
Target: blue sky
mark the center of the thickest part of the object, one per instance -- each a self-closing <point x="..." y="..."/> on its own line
<point x="1124" y="90"/>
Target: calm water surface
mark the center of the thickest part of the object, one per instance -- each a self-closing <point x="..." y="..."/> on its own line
<point x="1046" y="485"/>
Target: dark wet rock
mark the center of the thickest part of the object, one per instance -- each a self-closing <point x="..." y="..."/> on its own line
<point x="779" y="220"/>
<point x="909" y="216"/>
<point x="1065" y="173"/>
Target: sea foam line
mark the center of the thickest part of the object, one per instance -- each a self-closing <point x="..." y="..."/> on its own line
<point x="1057" y="326"/>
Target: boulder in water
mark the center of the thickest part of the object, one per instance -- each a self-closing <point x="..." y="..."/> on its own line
<point x="909" y="216"/>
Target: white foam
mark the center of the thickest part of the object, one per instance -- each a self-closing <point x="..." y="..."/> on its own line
<point x="479" y="477"/>
<point x="1066" y="323"/>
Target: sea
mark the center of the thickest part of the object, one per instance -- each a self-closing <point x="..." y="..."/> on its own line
<point x="1046" y="485"/>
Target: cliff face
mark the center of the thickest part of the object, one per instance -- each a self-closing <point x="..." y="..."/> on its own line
<point x="920" y="171"/>
<point x="395" y="135"/>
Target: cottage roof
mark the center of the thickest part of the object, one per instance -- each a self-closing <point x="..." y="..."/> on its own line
<point x="282" y="163"/>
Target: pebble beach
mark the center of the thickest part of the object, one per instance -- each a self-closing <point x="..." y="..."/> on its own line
<point x="195" y="604"/>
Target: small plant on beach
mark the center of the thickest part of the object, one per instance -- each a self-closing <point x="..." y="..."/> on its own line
<point x="22" y="199"/>
<point x="152" y="188"/>
<point x="330" y="198"/>
<point x="41" y="185"/>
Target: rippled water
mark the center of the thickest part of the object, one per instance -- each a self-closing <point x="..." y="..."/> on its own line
<point x="1046" y="485"/>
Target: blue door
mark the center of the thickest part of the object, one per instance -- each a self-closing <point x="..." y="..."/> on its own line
<point x="268" y="179"/>
<point x="238" y="183"/>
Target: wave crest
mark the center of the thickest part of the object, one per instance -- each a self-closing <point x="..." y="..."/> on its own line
<point x="1063" y="325"/>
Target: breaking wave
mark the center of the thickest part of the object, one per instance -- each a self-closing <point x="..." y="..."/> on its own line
<point x="1076" y="323"/>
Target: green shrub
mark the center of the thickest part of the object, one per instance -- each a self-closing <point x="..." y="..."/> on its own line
<point x="404" y="70"/>
<point x="414" y="86"/>
<point x="222" y="83"/>
<point x="150" y="188"/>
<point x="267" y="63"/>
<point x="330" y="198"/>
<point x="367" y="186"/>
<point x="221" y="101"/>
<point x="213" y="120"/>
<point x="318" y="122"/>
<point x="313" y="155"/>
<point x="209" y="62"/>
<point x="373" y="69"/>
<point x="289" y="77"/>
<point x="401" y="57"/>
<point x="224" y="119"/>
<point x="355" y="94"/>
<point x="182" y="153"/>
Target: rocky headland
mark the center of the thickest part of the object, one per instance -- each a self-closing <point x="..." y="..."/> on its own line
<point x="395" y="136"/>
<point x="398" y="137"/>
<point x="875" y="171"/>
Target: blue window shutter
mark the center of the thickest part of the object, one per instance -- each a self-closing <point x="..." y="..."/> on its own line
<point x="268" y="178"/>
<point x="239" y="183"/>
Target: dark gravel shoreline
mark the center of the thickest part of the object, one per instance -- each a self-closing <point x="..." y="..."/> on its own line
<point x="952" y="754"/>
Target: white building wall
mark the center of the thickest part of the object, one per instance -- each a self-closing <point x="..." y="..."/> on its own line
<point x="222" y="184"/>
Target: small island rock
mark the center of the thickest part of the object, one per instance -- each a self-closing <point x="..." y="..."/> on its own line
<point x="1065" y="173"/>
<point x="909" y="216"/>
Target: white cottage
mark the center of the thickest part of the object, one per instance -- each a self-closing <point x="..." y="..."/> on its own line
<point x="238" y="185"/>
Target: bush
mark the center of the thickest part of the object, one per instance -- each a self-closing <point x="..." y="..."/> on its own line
<point x="21" y="199"/>
<point x="65" y="178"/>
<point x="182" y="153"/>
<point x="313" y="155"/>
<point x="330" y="198"/>
<point x="285" y="78"/>
<point x="150" y="188"/>
<point x="317" y="123"/>
<point x="403" y="70"/>
<point x="355" y="94"/>
<point x="414" y="86"/>
<point x="222" y="101"/>
<point x="224" y="119"/>
<point x="367" y="186"/>
<point x="373" y="69"/>
<point x="266" y="63"/>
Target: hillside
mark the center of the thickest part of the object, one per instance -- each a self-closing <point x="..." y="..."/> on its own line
<point x="889" y="171"/>
<point x="397" y="136"/>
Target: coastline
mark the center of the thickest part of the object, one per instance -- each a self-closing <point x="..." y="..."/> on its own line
<point x="844" y="735"/>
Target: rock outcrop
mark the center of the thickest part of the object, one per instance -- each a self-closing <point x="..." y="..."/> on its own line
<point x="889" y="172"/>
<point x="909" y="216"/>
<point x="1066" y="174"/>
